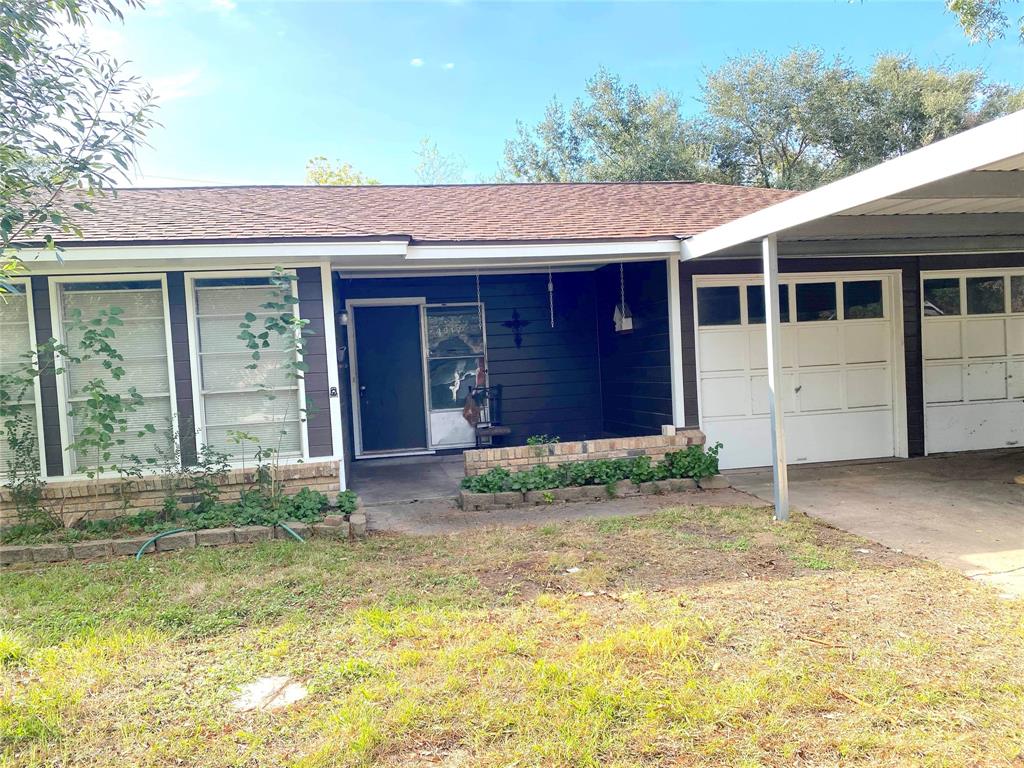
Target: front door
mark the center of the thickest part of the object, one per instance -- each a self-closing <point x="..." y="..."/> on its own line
<point x="389" y="378"/>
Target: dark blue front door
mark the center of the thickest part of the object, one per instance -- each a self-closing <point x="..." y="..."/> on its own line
<point x="389" y="364"/>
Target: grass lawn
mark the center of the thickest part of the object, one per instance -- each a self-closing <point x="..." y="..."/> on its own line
<point x="691" y="637"/>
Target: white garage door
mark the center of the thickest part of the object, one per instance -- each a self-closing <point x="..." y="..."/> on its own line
<point x="839" y="376"/>
<point x="973" y="345"/>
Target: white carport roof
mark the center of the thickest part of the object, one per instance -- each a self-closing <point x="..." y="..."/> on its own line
<point x="965" y="193"/>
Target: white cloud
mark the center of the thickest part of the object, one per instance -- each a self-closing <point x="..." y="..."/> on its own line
<point x="224" y="6"/>
<point x="449" y="65"/>
<point x="178" y="86"/>
<point x="416" y="63"/>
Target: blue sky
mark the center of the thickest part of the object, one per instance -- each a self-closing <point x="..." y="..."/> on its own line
<point x="251" y="90"/>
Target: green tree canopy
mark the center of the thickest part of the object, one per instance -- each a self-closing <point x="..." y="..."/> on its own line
<point x="320" y="170"/>
<point x="986" y="20"/>
<point x="616" y="133"/>
<point x="435" y="167"/>
<point x="795" y="121"/>
<point x="71" y="120"/>
<point x="801" y="120"/>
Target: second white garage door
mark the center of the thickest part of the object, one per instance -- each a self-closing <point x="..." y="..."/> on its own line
<point x="841" y="358"/>
<point x="973" y="339"/>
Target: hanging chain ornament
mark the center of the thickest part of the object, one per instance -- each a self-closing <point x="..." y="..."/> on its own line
<point x="551" y="298"/>
<point x="622" y="287"/>
<point x="479" y="304"/>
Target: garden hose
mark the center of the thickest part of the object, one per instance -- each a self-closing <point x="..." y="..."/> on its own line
<point x="293" y="533"/>
<point x="142" y="549"/>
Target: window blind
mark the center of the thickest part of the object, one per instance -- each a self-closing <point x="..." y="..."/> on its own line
<point x="15" y="341"/>
<point x="142" y="341"/>
<point x="262" y="402"/>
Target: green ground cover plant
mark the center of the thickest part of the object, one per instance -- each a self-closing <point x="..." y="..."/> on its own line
<point x="694" y="462"/>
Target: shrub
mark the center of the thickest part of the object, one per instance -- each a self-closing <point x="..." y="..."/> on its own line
<point x="695" y="462"/>
<point x="347" y="502"/>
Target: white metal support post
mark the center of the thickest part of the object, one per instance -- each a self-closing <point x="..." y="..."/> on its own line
<point x="675" y="341"/>
<point x="773" y="331"/>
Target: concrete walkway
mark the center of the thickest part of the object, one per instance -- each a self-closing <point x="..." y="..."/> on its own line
<point x="440" y="516"/>
<point x="961" y="510"/>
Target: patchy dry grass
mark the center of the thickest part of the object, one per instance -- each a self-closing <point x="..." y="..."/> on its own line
<point x="692" y="637"/>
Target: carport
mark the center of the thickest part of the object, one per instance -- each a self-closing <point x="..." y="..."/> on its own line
<point x="948" y="221"/>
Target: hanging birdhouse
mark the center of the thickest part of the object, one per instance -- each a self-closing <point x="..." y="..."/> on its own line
<point x="623" y="318"/>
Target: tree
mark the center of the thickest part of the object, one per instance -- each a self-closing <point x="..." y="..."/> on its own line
<point x="71" y="120"/>
<point x="984" y="20"/>
<point x="769" y="119"/>
<point x="799" y="121"/>
<point x="319" y="170"/>
<point x="617" y="133"/>
<point x="436" y="168"/>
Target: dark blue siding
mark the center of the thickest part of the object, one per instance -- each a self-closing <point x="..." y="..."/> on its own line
<point x="552" y="381"/>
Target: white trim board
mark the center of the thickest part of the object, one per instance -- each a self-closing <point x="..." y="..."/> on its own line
<point x="333" y="377"/>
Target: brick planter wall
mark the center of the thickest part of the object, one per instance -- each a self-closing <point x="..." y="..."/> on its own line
<point x="523" y="457"/>
<point x="77" y="498"/>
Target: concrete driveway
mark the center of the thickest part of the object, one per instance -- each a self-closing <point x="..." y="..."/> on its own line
<point x="961" y="510"/>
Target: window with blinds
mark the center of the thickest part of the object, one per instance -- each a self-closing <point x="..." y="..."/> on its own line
<point x="142" y="341"/>
<point x="15" y="341"/>
<point x="261" y="401"/>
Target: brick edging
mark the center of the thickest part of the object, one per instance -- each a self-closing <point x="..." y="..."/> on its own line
<point x="509" y="499"/>
<point x="354" y="527"/>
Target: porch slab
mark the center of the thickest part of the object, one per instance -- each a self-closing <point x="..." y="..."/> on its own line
<point x="407" y="478"/>
<point x="961" y="510"/>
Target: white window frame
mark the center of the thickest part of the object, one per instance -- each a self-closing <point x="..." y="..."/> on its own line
<point x="892" y="313"/>
<point x="57" y="320"/>
<point x="26" y="283"/>
<point x="198" y="405"/>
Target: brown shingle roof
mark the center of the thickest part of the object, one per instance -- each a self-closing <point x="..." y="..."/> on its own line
<point x="452" y="213"/>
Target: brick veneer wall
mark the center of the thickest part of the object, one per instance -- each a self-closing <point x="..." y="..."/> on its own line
<point x="522" y="457"/>
<point x="77" y="498"/>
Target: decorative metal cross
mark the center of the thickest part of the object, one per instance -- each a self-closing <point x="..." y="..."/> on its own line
<point x="516" y="324"/>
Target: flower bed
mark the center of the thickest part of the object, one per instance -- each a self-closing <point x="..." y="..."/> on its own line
<point x="593" y="480"/>
<point x="334" y="526"/>
<point x="253" y="510"/>
<point x="693" y="463"/>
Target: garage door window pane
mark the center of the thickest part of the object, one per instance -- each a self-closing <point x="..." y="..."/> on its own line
<point x="985" y="295"/>
<point x="942" y="297"/>
<point x="718" y="306"/>
<point x="755" y="304"/>
<point x="862" y="299"/>
<point x="815" y="301"/>
<point x="1017" y="293"/>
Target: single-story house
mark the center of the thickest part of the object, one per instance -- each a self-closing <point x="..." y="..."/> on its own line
<point x="892" y="323"/>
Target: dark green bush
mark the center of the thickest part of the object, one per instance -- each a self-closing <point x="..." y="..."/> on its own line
<point x="695" y="462"/>
<point x="347" y="502"/>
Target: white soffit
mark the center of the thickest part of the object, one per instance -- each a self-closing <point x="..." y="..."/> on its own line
<point x="980" y="171"/>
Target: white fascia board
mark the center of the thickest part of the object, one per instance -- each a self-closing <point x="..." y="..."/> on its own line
<point x="989" y="143"/>
<point x="594" y="251"/>
<point x="72" y="254"/>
